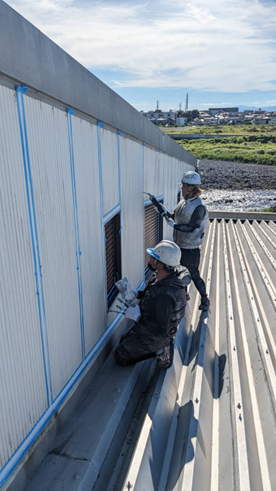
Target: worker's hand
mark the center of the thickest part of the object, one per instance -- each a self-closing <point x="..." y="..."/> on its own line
<point x="170" y="222"/>
<point x="133" y="313"/>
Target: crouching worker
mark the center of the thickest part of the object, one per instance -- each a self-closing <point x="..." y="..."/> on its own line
<point x="161" y="308"/>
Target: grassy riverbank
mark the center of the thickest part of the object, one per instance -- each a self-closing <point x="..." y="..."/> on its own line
<point x="240" y="129"/>
<point x="254" y="149"/>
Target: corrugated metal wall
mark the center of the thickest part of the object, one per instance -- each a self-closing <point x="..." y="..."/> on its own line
<point x="23" y="397"/>
<point x="62" y="179"/>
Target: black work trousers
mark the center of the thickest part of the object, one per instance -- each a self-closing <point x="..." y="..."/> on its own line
<point x="190" y="259"/>
<point x="136" y="346"/>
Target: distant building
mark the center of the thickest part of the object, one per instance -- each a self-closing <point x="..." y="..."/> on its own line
<point x="161" y="117"/>
<point x="215" y="110"/>
<point x="261" y="120"/>
<point x="181" y="121"/>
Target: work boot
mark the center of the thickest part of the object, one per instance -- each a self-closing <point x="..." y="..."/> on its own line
<point x="165" y="356"/>
<point x="205" y="303"/>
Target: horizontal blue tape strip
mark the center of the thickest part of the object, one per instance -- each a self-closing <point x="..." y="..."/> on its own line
<point x="101" y="125"/>
<point x="110" y="214"/>
<point x="148" y="201"/>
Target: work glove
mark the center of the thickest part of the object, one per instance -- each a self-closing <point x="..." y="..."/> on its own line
<point x="170" y="222"/>
<point x="132" y="313"/>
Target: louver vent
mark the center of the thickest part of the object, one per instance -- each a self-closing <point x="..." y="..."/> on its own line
<point x="113" y="256"/>
<point x="153" y="229"/>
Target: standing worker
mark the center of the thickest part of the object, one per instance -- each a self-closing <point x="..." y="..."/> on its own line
<point x="189" y="222"/>
<point x="159" y="312"/>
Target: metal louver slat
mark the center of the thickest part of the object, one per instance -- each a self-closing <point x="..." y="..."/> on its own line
<point x="151" y="230"/>
<point x="113" y="256"/>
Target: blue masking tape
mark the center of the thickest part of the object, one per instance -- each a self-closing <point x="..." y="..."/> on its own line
<point x="76" y="225"/>
<point x="20" y="91"/>
<point x="119" y="167"/>
<point x="100" y="125"/>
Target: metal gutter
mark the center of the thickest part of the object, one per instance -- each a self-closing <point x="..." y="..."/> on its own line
<point x="243" y="215"/>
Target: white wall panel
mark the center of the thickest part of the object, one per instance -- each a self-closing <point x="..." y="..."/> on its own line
<point x="172" y="185"/>
<point x="50" y="164"/>
<point x="89" y="212"/>
<point x="151" y="171"/>
<point x="132" y="235"/>
<point x="22" y="382"/>
<point x="161" y="173"/>
<point x="110" y="179"/>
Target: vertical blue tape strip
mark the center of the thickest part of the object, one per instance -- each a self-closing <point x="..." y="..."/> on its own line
<point x="143" y="165"/>
<point x="163" y="175"/>
<point x="167" y="204"/>
<point x="120" y="189"/>
<point x="100" y="125"/>
<point x="119" y="167"/>
<point x="158" y="173"/>
<point x="143" y="181"/>
<point x="20" y="91"/>
<point x="76" y="224"/>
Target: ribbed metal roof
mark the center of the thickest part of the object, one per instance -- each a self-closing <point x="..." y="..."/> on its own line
<point x="221" y="433"/>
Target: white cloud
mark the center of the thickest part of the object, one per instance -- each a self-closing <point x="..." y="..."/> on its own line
<point x="271" y="103"/>
<point x="219" y="46"/>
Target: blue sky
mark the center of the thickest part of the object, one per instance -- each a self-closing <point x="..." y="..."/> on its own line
<point x="222" y="52"/>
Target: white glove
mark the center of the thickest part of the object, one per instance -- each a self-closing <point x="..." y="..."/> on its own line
<point x="133" y="313"/>
<point x="170" y="222"/>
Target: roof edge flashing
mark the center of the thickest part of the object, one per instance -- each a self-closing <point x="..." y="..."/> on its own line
<point x="242" y="215"/>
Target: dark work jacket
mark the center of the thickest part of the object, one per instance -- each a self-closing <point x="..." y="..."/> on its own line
<point x="174" y="288"/>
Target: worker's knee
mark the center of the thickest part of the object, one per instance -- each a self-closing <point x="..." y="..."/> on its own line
<point x="121" y="357"/>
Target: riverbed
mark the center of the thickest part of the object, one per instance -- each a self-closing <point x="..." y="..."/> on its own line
<point x="234" y="186"/>
<point x="245" y="200"/>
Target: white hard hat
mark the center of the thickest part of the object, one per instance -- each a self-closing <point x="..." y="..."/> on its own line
<point x="191" y="177"/>
<point x="167" y="252"/>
